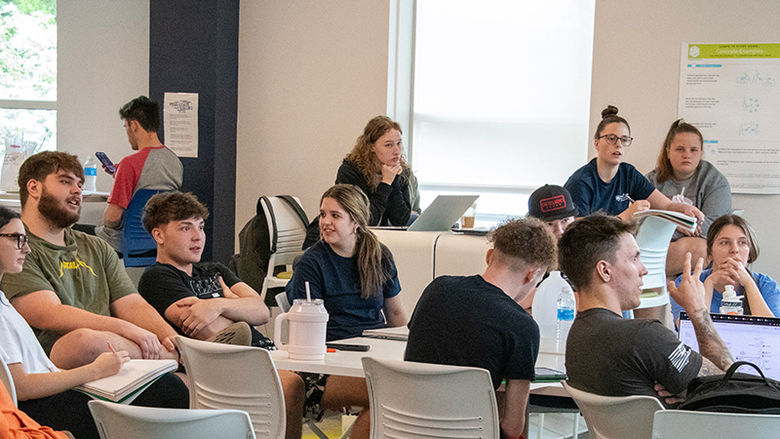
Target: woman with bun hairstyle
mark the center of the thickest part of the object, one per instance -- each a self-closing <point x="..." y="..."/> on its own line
<point x="608" y="184"/>
<point x="683" y="176"/>
<point x="731" y="248"/>
<point x="377" y="166"/>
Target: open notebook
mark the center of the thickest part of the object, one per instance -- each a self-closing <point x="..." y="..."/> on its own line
<point x="133" y="378"/>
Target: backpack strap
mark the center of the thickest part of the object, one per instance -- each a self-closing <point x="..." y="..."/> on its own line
<point x="297" y="207"/>
<point x="259" y="211"/>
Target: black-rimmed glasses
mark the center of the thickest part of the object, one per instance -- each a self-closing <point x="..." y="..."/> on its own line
<point x="613" y="140"/>
<point x="21" y="239"/>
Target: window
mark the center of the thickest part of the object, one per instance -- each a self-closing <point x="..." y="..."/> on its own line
<point x="500" y="97"/>
<point x="28" y="81"/>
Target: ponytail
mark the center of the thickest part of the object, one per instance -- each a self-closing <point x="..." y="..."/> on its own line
<point x="371" y="263"/>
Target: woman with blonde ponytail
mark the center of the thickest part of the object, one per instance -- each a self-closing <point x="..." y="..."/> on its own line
<point x="355" y="276"/>
<point x="349" y="268"/>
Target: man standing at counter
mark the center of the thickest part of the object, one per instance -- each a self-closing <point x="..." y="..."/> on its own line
<point x="492" y="332"/>
<point x="154" y="166"/>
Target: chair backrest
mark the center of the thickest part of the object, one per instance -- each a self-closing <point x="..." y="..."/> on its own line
<point x="137" y="243"/>
<point x="7" y="380"/>
<point x="653" y="240"/>
<point x="707" y="425"/>
<point x="412" y="400"/>
<point x="235" y="377"/>
<point x="286" y="229"/>
<point x="281" y="300"/>
<point x="120" y="421"/>
<point x="615" y="417"/>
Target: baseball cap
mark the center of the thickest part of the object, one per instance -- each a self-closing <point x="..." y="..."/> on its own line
<point x="550" y="203"/>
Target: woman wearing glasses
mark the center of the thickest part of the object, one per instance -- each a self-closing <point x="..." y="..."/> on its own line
<point x="613" y="186"/>
<point x="43" y="390"/>
<point x="683" y="176"/>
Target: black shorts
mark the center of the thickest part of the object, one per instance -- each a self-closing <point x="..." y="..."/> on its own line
<point x="313" y="388"/>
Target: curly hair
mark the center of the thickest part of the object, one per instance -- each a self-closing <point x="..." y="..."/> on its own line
<point x="527" y="241"/>
<point x="363" y="156"/>
<point x="663" y="168"/>
<point x="588" y="241"/>
<point x="40" y="165"/>
<point x="165" y="207"/>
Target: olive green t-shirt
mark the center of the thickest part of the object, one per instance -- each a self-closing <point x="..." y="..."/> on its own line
<point x="86" y="273"/>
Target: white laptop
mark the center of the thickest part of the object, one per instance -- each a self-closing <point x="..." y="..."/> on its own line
<point x="400" y="333"/>
<point x="443" y="213"/>
<point x="749" y="338"/>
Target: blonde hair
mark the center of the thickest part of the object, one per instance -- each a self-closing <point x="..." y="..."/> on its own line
<point x="369" y="251"/>
<point x="663" y="168"/>
<point x="363" y="156"/>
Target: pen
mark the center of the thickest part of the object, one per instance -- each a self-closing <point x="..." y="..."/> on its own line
<point x="110" y="348"/>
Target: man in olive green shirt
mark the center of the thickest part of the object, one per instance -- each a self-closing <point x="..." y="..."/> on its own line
<point x="73" y="289"/>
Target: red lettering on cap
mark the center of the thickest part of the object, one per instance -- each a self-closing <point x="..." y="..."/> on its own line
<point x="552" y="204"/>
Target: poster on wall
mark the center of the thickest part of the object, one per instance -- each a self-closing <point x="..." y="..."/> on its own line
<point x="180" y="116"/>
<point x="731" y="92"/>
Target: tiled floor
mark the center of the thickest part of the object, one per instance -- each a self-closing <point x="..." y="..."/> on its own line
<point x="556" y="426"/>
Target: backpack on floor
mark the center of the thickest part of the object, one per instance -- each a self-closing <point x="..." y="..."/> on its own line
<point x="734" y="392"/>
<point x="255" y="245"/>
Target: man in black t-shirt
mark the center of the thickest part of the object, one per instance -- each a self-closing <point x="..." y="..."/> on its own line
<point x="476" y="320"/>
<point x="203" y="299"/>
<point x="611" y="356"/>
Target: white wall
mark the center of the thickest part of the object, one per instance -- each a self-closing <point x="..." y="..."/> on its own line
<point x="311" y="74"/>
<point x="103" y="62"/>
<point x="636" y="66"/>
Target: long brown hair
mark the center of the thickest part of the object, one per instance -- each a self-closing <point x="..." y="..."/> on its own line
<point x="362" y="154"/>
<point x="663" y="169"/>
<point x="369" y="250"/>
<point x="732" y="220"/>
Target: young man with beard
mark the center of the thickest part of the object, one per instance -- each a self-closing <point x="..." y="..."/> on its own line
<point x="205" y="300"/>
<point x="73" y="289"/>
<point x="154" y="166"/>
<point x="612" y="356"/>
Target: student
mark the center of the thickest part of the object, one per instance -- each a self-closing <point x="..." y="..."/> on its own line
<point x="377" y="166"/>
<point x="612" y="356"/>
<point x="355" y="276"/>
<point x="608" y="184"/>
<point x="493" y="331"/>
<point x="683" y="176"/>
<point x="732" y="247"/>
<point x="154" y="166"/>
<point x="553" y="205"/>
<point x="14" y="423"/>
<point x="205" y="300"/>
<point x="43" y="390"/>
<point x="73" y="289"/>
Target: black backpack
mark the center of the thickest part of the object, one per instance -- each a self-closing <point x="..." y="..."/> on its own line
<point x="256" y="246"/>
<point x="734" y="392"/>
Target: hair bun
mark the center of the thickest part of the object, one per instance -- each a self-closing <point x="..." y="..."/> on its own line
<point x="610" y="111"/>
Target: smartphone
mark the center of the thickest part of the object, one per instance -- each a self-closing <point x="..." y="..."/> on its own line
<point x="107" y="164"/>
<point x="348" y="347"/>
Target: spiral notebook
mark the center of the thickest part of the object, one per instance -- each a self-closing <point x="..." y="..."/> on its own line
<point x="133" y="378"/>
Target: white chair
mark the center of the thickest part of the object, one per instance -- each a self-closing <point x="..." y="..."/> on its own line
<point x="669" y="424"/>
<point x="121" y="421"/>
<point x="235" y="377"/>
<point x="7" y="380"/>
<point x="616" y="417"/>
<point x="414" y="400"/>
<point x="287" y="231"/>
<point x="653" y="240"/>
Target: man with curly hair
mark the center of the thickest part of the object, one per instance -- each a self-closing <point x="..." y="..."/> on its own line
<point x="493" y="331"/>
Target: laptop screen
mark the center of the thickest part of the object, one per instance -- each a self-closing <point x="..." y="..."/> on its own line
<point x="749" y="338"/>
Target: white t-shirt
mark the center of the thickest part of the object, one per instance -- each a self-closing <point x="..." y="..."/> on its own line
<point x="18" y="343"/>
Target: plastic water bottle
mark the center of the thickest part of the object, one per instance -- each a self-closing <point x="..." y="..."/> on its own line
<point x="731" y="303"/>
<point x="566" y="309"/>
<point x="545" y="309"/>
<point x="90" y="175"/>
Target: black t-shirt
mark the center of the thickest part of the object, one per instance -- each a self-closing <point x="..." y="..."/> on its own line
<point x="162" y="285"/>
<point x="466" y="321"/>
<point x="612" y="356"/>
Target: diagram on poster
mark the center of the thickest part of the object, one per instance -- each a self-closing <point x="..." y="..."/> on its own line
<point x="730" y="91"/>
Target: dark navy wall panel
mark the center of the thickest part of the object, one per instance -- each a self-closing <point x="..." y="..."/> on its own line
<point x="194" y="48"/>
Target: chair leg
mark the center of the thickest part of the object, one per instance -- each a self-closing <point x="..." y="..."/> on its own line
<point x="540" y="427"/>
<point x="576" y="427"/>
<point x="316" y="430"/>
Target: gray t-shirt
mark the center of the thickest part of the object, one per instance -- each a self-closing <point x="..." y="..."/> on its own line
<point x="707" y="189"/>
<point x="611" y="356"/>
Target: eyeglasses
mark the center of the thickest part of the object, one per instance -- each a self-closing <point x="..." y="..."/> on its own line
<point x="613" y="139"/>
<point x="21" y="239"/>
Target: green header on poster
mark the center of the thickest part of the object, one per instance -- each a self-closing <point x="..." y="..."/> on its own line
<point x="709" y="51"/>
